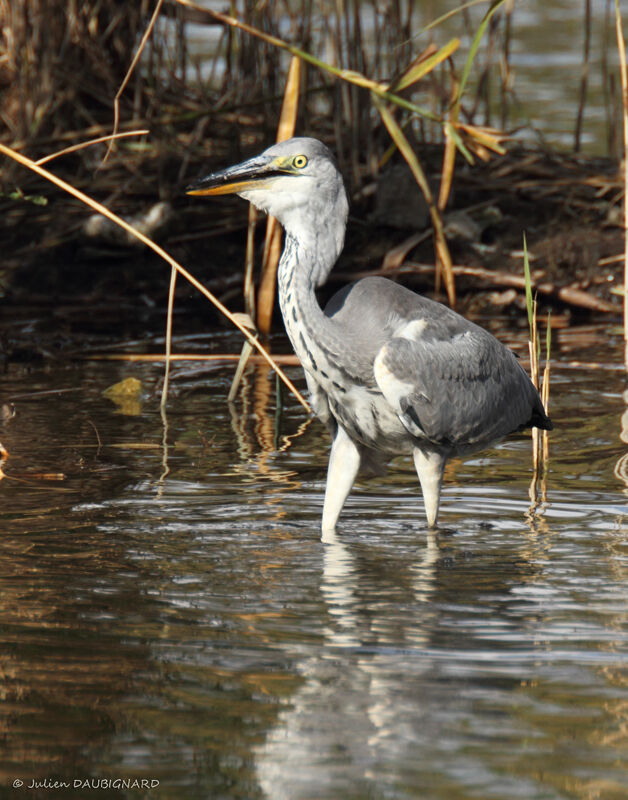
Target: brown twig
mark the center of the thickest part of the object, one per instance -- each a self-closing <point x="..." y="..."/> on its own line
<point x="89" y="143"/>
<point x="287" y="359"/>
<point x="569" y="295"/>
<point x="127" y="77"/>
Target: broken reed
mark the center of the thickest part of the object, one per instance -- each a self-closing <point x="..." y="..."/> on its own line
<point x="540" y="439"/>
<point x="623" y="71"/>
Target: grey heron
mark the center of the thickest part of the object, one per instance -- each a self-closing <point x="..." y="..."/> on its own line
<point x="389" y="371"/>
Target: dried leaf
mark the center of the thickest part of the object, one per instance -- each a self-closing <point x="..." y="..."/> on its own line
<point x="424" y="64"/>
<point x="490" y="138"/>
<point x="395" y="257"/>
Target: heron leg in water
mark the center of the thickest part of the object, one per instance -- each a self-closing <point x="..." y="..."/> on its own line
<point x="430" y="465"/>
<point x="344" y="463"/>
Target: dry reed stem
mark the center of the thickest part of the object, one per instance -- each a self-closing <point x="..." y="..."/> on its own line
<point x="428" y="60"/>
<point x="540" y="443"/>
<point x="449" y="155"/>
<point x="545" y="400"/>
<point x="81" y="145"/>
<point x="249" y="300"/>
<point x="289" y="360"/>
<point x="539" y="455"/>
<point x="249" y="263"/>
<point x="272" y="244"/>
<point x="127" y="77"/>
<point x="243" y="360"/>
<point x="621" y="46"/>
<point x="96" y="206"/>
<point x="171" y="289"/>
<point x="584" y="75"/>
<point x="534" y="376"/>
<point x="443" y="257"/>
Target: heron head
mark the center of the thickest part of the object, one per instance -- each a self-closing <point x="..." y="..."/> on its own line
<point x="297" y="181"/>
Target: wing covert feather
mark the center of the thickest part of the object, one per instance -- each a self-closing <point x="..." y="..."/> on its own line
<point x="458" y="391"/>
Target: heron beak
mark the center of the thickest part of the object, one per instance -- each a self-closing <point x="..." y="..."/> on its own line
<point x="256" y="173"/>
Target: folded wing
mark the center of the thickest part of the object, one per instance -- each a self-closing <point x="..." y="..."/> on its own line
<point x="462" y="390"/>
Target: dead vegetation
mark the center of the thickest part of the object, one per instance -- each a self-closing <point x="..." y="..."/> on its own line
<point x="63" y="64"/>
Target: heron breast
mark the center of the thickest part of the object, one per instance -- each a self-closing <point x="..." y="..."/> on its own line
<point x="359" y="408"/>
<point x="367" y="417"/>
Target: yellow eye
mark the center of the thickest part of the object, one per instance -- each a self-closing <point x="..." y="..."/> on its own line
<point x="299" y="161"/>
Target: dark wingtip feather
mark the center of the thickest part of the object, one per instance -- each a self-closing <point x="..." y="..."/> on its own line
<point x="540" y="420"/>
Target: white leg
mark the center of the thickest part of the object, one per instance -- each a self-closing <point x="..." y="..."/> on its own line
<point x="429" y="466"/>
<point x="344" y="463"/>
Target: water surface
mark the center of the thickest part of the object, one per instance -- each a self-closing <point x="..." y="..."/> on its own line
<point x="171" y="615"/>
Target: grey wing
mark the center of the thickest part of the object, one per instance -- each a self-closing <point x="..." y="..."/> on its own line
<point x="463" y="390"/>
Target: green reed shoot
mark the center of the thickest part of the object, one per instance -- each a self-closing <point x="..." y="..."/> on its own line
<point x="534" y="346"/>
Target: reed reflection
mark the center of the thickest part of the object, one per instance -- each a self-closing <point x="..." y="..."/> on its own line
<point x="256" y="424"/>
<point x="621" y="465"/>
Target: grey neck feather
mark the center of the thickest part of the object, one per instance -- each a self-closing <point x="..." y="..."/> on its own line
<point x="314" y="217"/>
<point x="300" y="270"/>
<point x="318" y="231"/>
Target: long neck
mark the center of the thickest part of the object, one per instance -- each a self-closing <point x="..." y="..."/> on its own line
<point x="310" y="331"/>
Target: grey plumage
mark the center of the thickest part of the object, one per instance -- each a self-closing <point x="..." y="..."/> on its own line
<point x="389" y="371"/>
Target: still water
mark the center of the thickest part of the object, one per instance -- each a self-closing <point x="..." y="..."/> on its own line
<point x="170" y="615"/>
